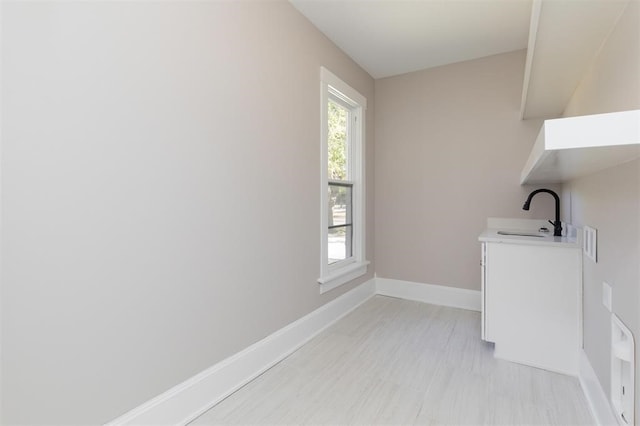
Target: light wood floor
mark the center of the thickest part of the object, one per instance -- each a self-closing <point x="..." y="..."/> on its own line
<point x="394" y="361"/>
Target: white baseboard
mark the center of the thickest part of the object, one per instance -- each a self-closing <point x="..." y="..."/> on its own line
<point x="188" y="400"/>
<point x="596" y="397"/>
<point x="429" y="293"/>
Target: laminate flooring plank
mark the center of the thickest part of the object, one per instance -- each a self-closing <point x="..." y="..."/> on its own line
<point x="400" y="362"/>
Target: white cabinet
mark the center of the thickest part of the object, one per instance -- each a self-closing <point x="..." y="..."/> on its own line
<point x="531" y="297"/>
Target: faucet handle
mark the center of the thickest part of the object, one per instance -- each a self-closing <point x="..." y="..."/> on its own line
<point x="557" y="228"/>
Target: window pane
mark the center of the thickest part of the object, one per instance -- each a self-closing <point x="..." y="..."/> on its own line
<point x="339" y="243"/>
<point x="340" y="205"/>
<point x="340" y="222"/>
<point x="338" y="149"/>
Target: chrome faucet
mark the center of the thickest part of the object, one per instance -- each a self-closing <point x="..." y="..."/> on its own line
<point x="557" y="225"/>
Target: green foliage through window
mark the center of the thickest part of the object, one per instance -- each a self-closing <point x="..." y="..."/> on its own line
<point x="337" y="117"/>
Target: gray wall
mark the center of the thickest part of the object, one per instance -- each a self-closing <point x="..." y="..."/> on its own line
<point x="610" y="200"/>
<point x="450" y="147"/>
<point x="160" y="178"/>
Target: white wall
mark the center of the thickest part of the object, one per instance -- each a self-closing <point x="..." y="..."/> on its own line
<point x="610" y="200"/>
<point x="160" y="178"/>
<point x="450" y="147"/>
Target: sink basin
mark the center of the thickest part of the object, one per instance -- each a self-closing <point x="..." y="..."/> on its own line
<point x="521" y="234"/>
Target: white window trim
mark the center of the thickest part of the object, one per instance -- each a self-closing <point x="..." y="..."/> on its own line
<point x="336" y="274"/>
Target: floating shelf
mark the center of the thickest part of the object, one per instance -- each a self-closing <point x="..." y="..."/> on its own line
<point x="567" y="148"/>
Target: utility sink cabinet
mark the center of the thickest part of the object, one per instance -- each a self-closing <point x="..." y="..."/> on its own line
<point x="531" y="300"/>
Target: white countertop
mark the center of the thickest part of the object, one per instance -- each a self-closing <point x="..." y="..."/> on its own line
<point x="529" y="226"/>
<point x="545" y="239"/>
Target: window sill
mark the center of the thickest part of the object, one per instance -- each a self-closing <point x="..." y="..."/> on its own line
<point x="342" y="276"/>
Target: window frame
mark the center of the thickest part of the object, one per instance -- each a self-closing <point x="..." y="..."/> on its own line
<point x="343" y="271"/>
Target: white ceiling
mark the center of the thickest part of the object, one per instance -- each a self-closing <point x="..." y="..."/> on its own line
<point x="565" y="37"/>
<point x="391" y="37"/>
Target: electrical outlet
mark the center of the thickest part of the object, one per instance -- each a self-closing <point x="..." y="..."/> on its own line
<point x="590" y="243"/>
<point x="606" y="295"/>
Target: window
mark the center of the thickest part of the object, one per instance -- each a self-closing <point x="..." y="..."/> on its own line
<point x="342" y="183"/>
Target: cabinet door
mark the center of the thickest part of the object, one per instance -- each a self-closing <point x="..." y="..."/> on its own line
<point x="532" y="303"/>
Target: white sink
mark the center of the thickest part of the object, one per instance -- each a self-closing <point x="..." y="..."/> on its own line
<point x="521" y="234"/>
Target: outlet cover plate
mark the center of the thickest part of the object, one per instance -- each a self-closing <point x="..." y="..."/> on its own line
<point x="590" y="243"/>
<point x="606" y="295"/>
